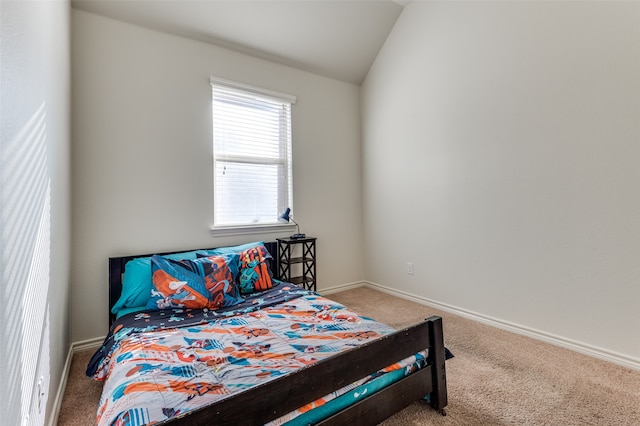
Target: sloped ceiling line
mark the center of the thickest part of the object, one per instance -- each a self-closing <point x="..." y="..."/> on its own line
<point x="337" y="39"/>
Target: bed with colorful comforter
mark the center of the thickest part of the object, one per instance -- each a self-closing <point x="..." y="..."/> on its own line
<point x="282" y="355"/>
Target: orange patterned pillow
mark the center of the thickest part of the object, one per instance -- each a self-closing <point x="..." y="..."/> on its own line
<point x="207" y="282"/>
<point x="254" y="270"/>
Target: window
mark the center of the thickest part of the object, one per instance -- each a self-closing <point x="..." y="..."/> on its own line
<point x="251" y="154"/>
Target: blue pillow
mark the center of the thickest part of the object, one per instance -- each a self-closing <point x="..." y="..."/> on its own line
<point x="136" y="283"/>
<point x="232" y="249"/>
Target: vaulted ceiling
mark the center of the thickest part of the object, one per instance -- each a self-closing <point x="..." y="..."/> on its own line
<point x="335" y="38"/>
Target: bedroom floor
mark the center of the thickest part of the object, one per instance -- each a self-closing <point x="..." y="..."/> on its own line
<point x="496" y="377"/>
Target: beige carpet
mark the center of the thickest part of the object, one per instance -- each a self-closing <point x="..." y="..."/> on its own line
<point x="496" y="377"/>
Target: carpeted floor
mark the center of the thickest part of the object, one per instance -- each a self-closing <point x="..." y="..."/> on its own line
<point x="496" y="377"/>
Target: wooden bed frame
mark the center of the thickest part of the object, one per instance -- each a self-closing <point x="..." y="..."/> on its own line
<point x="263" y="403"/>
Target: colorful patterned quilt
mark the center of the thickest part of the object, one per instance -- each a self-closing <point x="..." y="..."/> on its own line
<point x="158" y="364"/>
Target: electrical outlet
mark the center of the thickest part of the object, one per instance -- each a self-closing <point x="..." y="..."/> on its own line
<point x="409" y="268"/>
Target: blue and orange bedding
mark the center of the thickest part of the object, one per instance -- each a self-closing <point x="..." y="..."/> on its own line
<point x="158" y="364"/>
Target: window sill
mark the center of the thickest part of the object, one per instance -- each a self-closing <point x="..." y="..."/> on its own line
<point x="223" y="231"/>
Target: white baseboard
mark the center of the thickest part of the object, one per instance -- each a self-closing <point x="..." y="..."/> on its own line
<point x="94" y="343"/>
<point x="341" y="287"/>
<point x="583" y="348"/>
<point x="57" y="403"/>
<point x="75" y="347"/>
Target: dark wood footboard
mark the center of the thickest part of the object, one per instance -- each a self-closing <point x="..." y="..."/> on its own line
<point x="266" y="402"/>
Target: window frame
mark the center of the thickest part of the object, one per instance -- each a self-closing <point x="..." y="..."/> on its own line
<point x="257" y="228"/>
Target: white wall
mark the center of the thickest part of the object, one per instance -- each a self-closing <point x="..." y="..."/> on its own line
<point x="34" y="205"/>
<point x="142" y="155"/>
<point x="501" y="143"/>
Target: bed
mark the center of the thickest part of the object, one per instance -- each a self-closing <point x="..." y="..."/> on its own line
<point x="277" y="355"/>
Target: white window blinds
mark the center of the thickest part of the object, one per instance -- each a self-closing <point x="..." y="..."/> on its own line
<point x="251" y="154"/>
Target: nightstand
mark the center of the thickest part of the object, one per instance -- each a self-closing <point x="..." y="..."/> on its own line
<point x="297" y="261"/>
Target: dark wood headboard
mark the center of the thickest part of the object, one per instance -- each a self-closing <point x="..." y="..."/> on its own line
<point x="117" y="266"/>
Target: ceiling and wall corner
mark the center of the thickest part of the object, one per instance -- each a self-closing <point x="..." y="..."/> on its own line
<point x="337" y="39"/>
